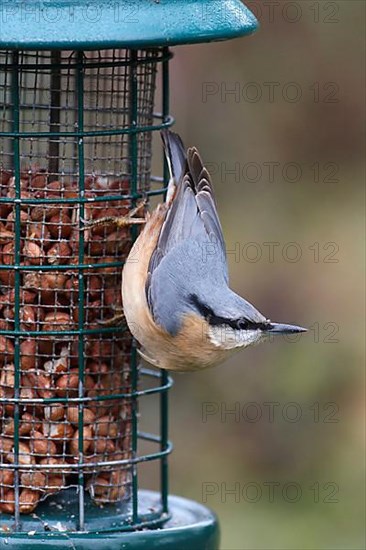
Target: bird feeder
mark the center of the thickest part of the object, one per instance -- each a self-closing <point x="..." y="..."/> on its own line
<point x="77" y="115"/>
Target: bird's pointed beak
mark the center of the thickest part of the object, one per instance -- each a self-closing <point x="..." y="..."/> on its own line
<point x="279" y="328"/>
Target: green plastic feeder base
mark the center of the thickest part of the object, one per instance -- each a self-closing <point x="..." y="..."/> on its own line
<point x="191" y="527"/>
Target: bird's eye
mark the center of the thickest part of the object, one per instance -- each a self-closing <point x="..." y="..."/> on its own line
<point x="242" y="324"/>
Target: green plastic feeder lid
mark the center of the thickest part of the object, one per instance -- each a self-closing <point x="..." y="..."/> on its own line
<point x="98" y="24"/>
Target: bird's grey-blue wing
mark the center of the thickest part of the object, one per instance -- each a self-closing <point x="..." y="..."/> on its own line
<point x="190" y="247"/>
<point x="193" y="213"/>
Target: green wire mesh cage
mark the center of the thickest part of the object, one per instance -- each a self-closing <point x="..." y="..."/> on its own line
<point x="76" y="127"/>
<point x="75" y="146"/>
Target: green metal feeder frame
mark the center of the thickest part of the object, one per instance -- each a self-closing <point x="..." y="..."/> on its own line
<point x="77" y="118"/>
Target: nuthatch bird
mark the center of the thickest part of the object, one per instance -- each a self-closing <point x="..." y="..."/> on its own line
<point x="175" y="289"/>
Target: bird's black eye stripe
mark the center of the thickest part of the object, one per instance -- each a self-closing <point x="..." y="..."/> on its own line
<point x="215" y="320"/>
<point x="245" y="324"/>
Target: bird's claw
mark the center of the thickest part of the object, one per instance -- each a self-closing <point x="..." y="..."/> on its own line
<point x="116" y="321"/>
<point x="120" y="221"/>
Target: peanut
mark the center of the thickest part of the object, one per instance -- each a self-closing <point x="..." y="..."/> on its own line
<point x="103" y="446"/>
<point x="41" y="445"/>
<point x="87" y="441"/>
<point x="60" y="226"/>
<point x="6" y="236"/>
<point x="67" y="384"/>
<point x="106" y="427"/>
<point x="28" y="318"/>
<point x="33" y="480"/>
<point x="25" y="456"/>
<point x="7" y="277"/>
<point x="38" y="233"/>
<point x="27" y="422"/>
<point x="24" y="218"/>
<point x="54" y="483"/>
<point x="6" y="444"/>
<point x="58" y="431"/>
<point x="57" y="320"/>
<point x="59" y="253"/>
<point x="28" y="359"/>
<point x="98" y="487"/>
<point x="33" y="253"/>
<point x="54" y="412"/>
<point x="8" y="426"/>
<point x="6" y="477"/>
<point x="39" y="181"/>
<point x="41" y="382"/>
<point x="6" y="349"/>
<point x="7" y="502"/>
<point x="112" y="490"/>
<point x="72" y="415"/>
<point x="28" y="500"/>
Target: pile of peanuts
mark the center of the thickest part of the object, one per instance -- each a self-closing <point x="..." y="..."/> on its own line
<point x="49" y="364"/>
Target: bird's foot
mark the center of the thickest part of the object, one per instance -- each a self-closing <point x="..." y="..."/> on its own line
<point x="120" y="221"/>
<point x="117" y="320"/>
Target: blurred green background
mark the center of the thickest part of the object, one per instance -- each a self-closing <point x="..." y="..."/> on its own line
<point x="292" y="455"/>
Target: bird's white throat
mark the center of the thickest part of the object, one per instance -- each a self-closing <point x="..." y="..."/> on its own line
<point x="225" y="337"/>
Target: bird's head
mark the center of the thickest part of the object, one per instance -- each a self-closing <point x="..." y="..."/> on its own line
<point x="241" y="333"/>
<point x="239" y="324"/>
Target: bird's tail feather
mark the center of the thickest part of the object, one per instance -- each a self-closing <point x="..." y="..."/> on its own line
<point x="175" y="154"/>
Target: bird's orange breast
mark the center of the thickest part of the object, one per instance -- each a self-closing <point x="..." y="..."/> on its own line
<point x="191" y="348"/>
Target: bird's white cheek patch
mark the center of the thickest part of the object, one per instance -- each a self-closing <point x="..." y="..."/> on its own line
<point x="226" y="337"/>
